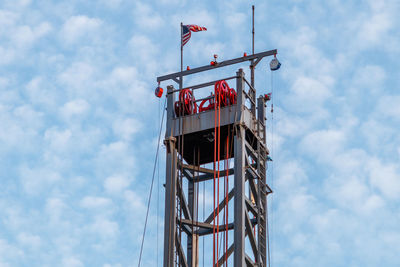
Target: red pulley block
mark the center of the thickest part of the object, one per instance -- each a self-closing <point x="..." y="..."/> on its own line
<point x="210" y="104"/>
<point x="186" y="104"/>
<point x="158" y="92"/>
<point x="224" y="95"/>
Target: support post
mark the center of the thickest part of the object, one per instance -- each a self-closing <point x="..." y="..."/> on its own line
<point x="192" y="241"/>
<point x="239" y="180"/>
<point x="170" y="186"/>
<point x="170" y="203"/>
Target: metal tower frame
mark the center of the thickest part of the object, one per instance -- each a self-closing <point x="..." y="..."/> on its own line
<point x="245" y="123"/>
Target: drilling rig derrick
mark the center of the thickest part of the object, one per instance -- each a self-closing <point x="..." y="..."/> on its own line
<point x="228" y="124"/>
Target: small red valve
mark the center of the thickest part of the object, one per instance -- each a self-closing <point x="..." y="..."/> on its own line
<point x="245" y="54"/>
<point x="187" y="68"/>
<point x="215" y="56"/>
<point x="213" y="63"/>
<point x="159" y="91"/>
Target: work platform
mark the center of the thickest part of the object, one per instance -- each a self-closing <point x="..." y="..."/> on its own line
<point x="197" y="132"/>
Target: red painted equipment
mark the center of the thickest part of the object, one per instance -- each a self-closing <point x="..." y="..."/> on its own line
<point x="223" y="92"/>
<point x="226" y="94"/>
<point x="159" y="91"/>
<point x="186" y="104"/>
<point x="210" y="104"/>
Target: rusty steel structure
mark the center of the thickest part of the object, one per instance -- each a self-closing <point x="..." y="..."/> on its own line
<point x="190" y="141"/>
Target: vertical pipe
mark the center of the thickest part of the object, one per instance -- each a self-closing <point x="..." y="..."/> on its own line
<point x="252" y="93"/>
<point x="192" y="239"/>
<point x="252" y="7"/>
<point x="170" y="186"/>
<point x="252" y="49"/>
<point x="180" y="78"/>
<point x="181" y="47"/>
<point x="239" y="178"/>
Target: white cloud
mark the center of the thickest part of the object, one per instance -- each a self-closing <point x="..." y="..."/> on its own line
<point x="129" y="90"/>
<point x="9" y="252"/>
<point x="36" y="180"/>
<point x="71" y="262"/>
<point x="75" y="108"/>
<point x="40" y="93"/>
<point x="291" y="177"/>
<point x="105" y="228"/>
<point x="77" y="77"/>
<point x="378" y="134"/>
<point x="112" y="3"/>
<point x="25" y="36"/>
<point x="371" y="77"/>
<point x="385" y="177"/>
<point x="143" y="48"/>
<point x="7" y="55"/>
<point x="55" y="208"/>
<point x="78" y="27"/>
<point x="134" y="201"/>
<point x="389" y="106"/>
<point x="115" y="156"/>
<point x="90" y="202"/>
<point x="374" y="28"/>
<point x="127" y="75"/>
<point x="147" y="17"/>
<point x="30" y="240"/>
<point x="58" y="140"/>
<point x="116" y="184"/>
<point x="235" y="20"/>
<point x="16" y="4"/>
<point x="126" y="128"/>
<point x="308" y="94"/>
<point x="7" y="20"/>
<point x="323" y="144"/>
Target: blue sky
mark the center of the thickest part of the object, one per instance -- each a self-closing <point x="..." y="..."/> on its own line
<point x="79" y="125"/>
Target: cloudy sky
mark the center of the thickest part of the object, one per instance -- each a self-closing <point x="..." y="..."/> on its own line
<point x="79" y="121"/>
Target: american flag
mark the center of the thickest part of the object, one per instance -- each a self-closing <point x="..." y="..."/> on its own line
<point x="187" y="32"/>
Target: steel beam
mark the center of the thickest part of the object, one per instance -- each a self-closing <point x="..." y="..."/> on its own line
<point x="210" y="176"/>
<point x="184" y="204"/>
<point x="258" y="57"/>
<point x="250" y="233"/>
<point x="220" y="206"/>
<point x="192" y="240"/>
<point x="170" y="203"/>
<point x="239" y="180"/>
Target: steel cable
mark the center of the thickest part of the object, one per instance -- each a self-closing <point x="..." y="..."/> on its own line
<point x="151" y="187"/>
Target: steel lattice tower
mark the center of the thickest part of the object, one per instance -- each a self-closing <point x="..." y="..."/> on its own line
<point x="244" y="123"/>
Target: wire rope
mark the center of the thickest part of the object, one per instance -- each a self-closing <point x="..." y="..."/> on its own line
<point x="272" y="170"/>
<point x="158" y="182"/>
<point x="204" y="213"/>
<point x="151" y="187"/>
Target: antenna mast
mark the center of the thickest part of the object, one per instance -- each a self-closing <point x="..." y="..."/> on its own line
<point x="252" y="49"/>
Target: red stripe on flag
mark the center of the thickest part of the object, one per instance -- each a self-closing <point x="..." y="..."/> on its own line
<point x="192" y="28"/>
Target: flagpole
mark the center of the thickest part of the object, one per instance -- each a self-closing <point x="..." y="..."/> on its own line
<point x="180" y="80"/>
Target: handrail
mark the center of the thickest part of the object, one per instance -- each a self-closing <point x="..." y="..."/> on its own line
<point x="198" y="86"/>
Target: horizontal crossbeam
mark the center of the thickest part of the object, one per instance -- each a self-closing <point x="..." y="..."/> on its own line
<point x="207" y="228"/>
<point x="258" y="57"/>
